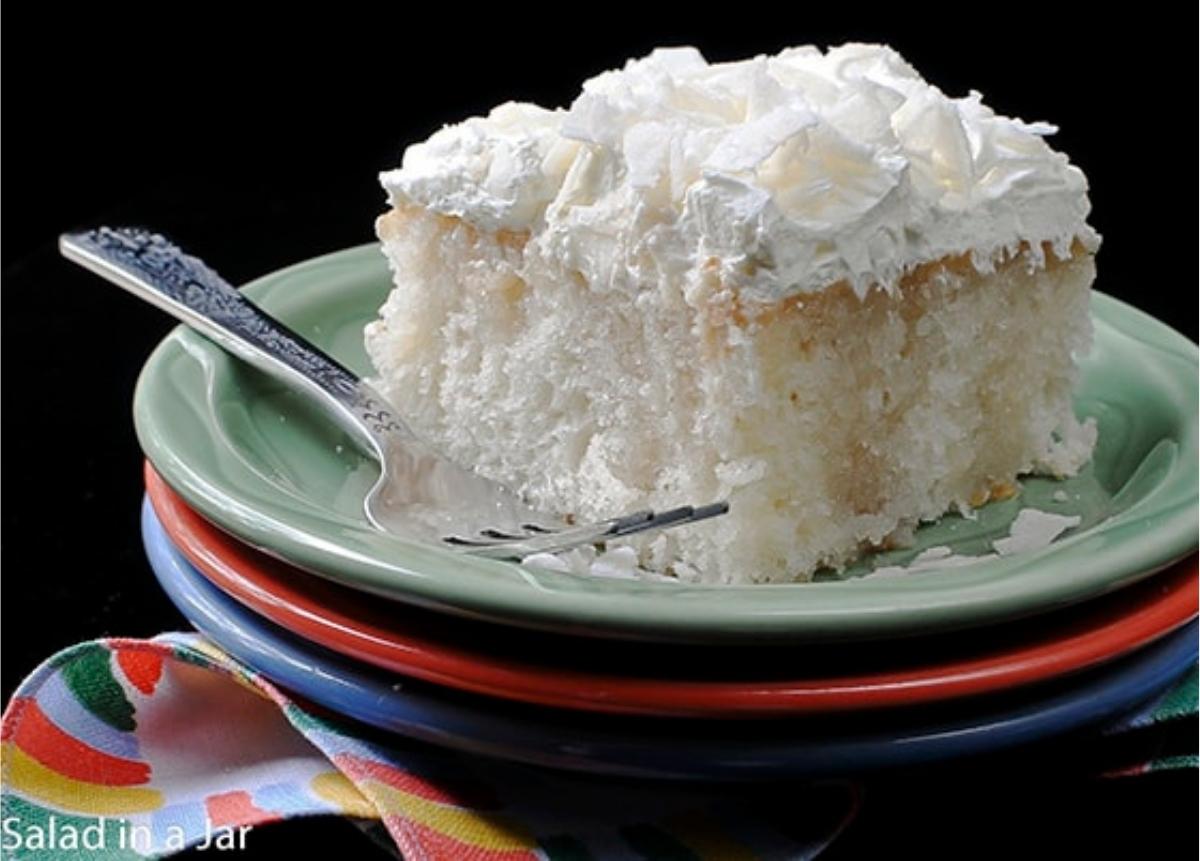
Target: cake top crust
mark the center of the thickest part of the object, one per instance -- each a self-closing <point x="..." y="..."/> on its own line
<point x="788" y="174"/>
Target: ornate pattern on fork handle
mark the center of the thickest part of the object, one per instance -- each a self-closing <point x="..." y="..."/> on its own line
<point x="222" y="312"/>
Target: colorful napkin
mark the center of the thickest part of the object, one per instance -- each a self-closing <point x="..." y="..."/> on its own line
<point x="162" y="744"/>
<point x="1176" y="706"/>
<point x="124" y="749"/>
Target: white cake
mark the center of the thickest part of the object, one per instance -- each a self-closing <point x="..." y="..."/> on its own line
<point x="810" y="284"/>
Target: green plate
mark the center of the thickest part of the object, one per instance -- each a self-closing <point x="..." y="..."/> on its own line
<point x="263" y="464"/>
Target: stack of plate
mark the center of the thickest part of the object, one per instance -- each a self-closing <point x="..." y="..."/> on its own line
<point x="253" y="525"/>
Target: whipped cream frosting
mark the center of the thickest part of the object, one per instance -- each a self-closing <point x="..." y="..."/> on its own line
<point x="788" y="173"/>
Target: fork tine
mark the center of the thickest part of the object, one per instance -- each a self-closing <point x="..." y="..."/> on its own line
<point x="503" y="536"/>
<point x="630" y="521"/>
<point x="572" y="535"/>
<point x="490" y="543"/>
<point x="459" y="541"/>
<point x="713" y="509"/>
<point x="657" y="521"/>
<point x="678" y="517"/>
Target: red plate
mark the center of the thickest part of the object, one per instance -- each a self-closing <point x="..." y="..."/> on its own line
<point x="697" y="681"/>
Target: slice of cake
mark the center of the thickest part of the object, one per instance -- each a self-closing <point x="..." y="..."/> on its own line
<point x="810" y="284"/>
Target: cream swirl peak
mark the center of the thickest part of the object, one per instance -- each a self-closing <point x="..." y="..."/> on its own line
<point x="787" y="174"/>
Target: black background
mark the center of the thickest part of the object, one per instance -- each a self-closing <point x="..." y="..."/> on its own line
<point x="257" y="145"/>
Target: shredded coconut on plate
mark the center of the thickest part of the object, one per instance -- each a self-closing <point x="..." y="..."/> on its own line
<point x="1031" y="530"/>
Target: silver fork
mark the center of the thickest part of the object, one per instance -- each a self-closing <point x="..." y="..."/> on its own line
<point x="418" y="493"/>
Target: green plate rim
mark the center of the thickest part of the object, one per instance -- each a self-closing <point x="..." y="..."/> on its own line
<point x="1152" y="533"/>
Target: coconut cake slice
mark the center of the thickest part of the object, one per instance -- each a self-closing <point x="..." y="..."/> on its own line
<point x="810" y="283"/>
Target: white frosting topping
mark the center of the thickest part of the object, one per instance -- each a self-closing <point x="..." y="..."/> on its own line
<point x="788" y="173"/>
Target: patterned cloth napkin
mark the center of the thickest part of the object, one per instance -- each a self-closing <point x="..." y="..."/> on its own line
<point x="162" y="744"/>
<point x="124" y="749"/>
<point x="1177" y="705"/>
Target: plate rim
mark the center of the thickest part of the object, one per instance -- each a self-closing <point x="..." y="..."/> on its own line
<point x="328" y="619"/>
<point x="487" y="589"/>
<point x="514" y="731"/>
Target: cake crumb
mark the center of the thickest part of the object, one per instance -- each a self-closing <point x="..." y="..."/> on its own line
<point x="933" y="559"/>
<point x="614" y="563"/>
<point x="1033" y="530"/>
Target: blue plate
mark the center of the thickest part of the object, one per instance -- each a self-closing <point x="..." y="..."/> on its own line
<point x="649" y="747"/>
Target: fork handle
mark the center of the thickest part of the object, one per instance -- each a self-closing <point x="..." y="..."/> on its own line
<point x="152" y="268"/>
